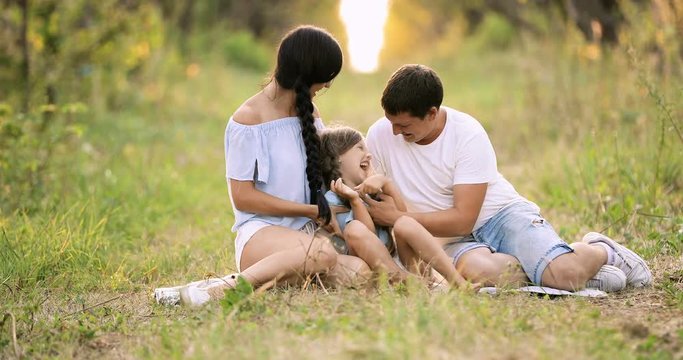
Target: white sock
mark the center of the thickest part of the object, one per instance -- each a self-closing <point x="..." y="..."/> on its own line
<point x="609" y="250"/>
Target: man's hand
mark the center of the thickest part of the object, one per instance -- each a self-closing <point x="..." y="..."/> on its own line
<point x="383" y="212"/>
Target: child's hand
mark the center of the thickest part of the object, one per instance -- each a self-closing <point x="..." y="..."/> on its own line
<point x="343" y="190"/>
<point x="372" y="185"/>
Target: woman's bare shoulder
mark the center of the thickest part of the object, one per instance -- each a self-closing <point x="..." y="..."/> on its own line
<point x="248" y="113"/>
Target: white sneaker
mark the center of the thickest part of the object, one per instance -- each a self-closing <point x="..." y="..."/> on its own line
<point x="635" y="268"/>
<point x="608" y="279"/>
<point x="169" y="296"/>
<point x="199" y="293"/>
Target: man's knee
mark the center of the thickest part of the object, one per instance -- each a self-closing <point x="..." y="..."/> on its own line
<point x="564" y="273"/>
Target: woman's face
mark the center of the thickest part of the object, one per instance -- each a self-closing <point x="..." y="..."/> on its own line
<point x="355" y="165"/>
<point x="317" y="87"/>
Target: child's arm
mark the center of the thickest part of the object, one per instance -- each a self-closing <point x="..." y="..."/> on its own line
<point x="379" y="183"/>
<point x="391" y="189"/>
<point x="360" y="212"/>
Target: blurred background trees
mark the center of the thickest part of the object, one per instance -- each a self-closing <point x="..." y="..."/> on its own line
<point x="63" y="62"/>
<point x="51" y="50"/>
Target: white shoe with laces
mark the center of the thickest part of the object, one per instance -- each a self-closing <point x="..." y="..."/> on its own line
<point x="608" y="279"/>
<point x="637" y="272"/>
<point x="169" y="296"/>
<point x="199" y="293"/>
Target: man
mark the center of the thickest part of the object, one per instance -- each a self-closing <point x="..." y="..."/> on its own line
<point x="444" y="164"/>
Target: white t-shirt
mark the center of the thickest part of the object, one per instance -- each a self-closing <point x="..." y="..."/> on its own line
<point x="426" y="174"/>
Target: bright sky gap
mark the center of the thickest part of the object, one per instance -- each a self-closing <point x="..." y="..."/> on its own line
<point x="364" y="22"/>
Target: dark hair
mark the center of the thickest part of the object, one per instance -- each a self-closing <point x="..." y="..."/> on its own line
<point x="309" y="55"/>
<point x="334" y="142"/>
<point x="413" y="89"/>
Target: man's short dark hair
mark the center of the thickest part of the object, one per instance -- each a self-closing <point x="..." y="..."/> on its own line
<point x="413" y="89"/>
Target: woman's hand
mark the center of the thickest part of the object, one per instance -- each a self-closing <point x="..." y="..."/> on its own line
<point x="371" y="185"/>
<point x="333" y="227"/>
<point x="343" y="190"/>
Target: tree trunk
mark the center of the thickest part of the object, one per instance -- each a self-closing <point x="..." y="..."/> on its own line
<point x="25" y="56"/>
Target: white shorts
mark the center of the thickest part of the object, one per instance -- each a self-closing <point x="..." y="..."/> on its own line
<point x="249" y="228"/>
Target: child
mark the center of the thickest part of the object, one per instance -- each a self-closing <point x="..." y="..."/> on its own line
<point x="347" y="167"/>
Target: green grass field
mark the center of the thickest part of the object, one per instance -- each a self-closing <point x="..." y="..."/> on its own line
<point x="143" y="203"/>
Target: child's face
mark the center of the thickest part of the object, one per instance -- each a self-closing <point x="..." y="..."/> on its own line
<point x="355" y="164"/>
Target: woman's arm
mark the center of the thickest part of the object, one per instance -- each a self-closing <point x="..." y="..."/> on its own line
<point x="247" y="198"/>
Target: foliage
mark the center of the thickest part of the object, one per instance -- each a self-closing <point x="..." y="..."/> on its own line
<point x="117" y="187"/>
<point x="30" y="146"/>
<point x="242" y="50"/>
<point x="78" y="49"/>
<point x="495" y="33"/>
<point x="240" y="299"/>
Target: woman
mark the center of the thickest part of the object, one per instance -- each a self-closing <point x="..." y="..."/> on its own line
<point x="274" y="175"/>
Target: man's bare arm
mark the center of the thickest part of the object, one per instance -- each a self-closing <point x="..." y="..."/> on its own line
<point x="456" y="221"/>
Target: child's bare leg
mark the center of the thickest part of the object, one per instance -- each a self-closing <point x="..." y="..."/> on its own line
<point x="410" y="258"/>
<point x="427" y="248"/>
<point x="366" y="245"/>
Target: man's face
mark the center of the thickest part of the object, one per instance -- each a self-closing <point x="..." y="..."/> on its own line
<point x="413" y="128"/>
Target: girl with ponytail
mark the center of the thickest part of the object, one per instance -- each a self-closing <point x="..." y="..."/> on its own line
<point x="274" y="175"/>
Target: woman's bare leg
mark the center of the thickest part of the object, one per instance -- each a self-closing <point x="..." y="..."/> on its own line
<point x="273" y="255"/>
<point x="277" y="253"/>
<point x="349" y="271"/>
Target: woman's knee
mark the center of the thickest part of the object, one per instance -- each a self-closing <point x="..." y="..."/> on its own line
<point x="322" y="253"/>
<point x="355" y="265"/>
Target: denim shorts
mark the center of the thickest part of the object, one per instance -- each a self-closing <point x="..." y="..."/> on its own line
<point x="518" y="230"/>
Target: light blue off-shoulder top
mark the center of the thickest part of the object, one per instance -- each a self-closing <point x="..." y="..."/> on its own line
<point x="273" y="156"/>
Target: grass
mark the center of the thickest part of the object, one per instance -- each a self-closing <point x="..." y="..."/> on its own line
<point x="143" y="203"/>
